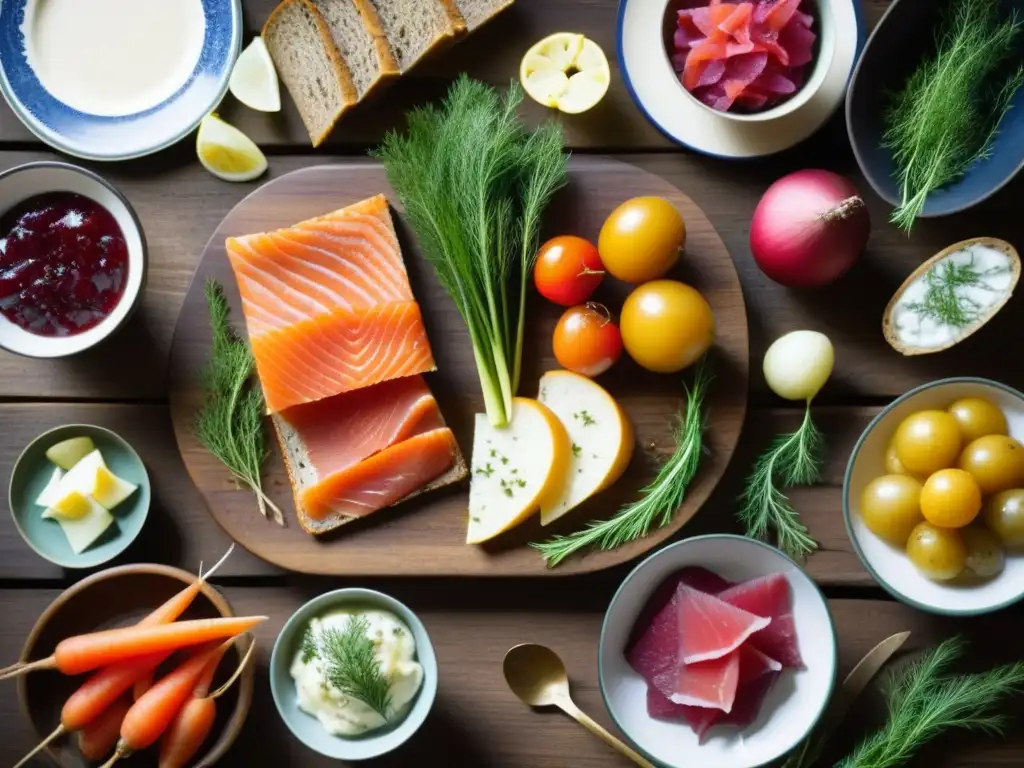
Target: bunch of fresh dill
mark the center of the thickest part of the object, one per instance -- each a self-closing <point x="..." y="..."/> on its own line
<point x="349" y="663"/>
<point x="230" y="422"/>
<point x="474" y="183"/>
<point x="948" y="112"/>
<point x="660" y="500"/>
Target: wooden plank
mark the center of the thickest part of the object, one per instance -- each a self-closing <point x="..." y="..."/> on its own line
<point x="180" y="205"/>
<point x="475" y="717"/>
<point x="181" y="532"/>
<point x="491" y="54"/>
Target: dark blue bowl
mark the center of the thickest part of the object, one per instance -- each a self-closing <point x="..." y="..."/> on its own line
<point x="903" y="37"/>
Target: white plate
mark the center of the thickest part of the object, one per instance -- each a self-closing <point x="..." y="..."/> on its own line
<point x="889" y="565"/>
<point x="795" y="702"/>
<point x="647" y="73"/>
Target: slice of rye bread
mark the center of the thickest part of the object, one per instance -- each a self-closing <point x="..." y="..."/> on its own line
<point x="301" y="475"/>
<point x="477" y="12"/>
<point x="415" y="28"/>
<point x="299" y="42"/>
<point x="359" y="38"/>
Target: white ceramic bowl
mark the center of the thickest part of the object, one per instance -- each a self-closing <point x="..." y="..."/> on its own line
<point x="25" y="181"/>
<point x="889" y="565"/>
<point x="795" y="702"/>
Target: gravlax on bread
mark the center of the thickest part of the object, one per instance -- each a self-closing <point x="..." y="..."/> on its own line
<point x="360" y="41"/>
<point x="310" y="66"/>
<point x="351" y="455"/>
<point x="477" y="12"/>
<point x="415" y="28"/>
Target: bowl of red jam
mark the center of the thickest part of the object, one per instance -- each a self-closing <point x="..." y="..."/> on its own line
<point x="72" y="259"/>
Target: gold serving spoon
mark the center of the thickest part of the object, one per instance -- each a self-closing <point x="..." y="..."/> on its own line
<point x="537" y="676"/>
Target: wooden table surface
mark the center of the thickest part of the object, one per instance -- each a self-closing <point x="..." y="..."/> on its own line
<point x="476" y="721"/>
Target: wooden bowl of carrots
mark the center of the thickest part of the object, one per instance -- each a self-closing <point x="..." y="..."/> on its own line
<point x="153" y="604"/>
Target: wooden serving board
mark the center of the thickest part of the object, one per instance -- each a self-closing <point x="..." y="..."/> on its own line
<point x="426" y="536"/>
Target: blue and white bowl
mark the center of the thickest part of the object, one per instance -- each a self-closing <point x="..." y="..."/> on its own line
<point x="118" y="136"/>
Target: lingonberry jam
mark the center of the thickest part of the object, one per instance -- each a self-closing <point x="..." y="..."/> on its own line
<point x="63" y="264"/>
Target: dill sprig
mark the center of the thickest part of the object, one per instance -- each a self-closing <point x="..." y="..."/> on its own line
<point x="792" y="459"/>
<point x="949" y="110"/>
<point x="350" y="663"/>
<point x="943" y="301"/>
<point x="230" y="422"/>
<point x="474" y="183"/>
<point x="660" y="500"/>
<point x="923" y="702"/>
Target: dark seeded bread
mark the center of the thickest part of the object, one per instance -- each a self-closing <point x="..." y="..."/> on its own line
<point x="476" y="12"/>
<point x="357" y="34"/>
<point x="307" y="61"/>
<point x="415" y="28"/>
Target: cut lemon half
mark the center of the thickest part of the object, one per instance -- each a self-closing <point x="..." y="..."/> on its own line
<point x="254" y="79"/>
<point x="565" y="71"/>
<point x="228" y="153"/>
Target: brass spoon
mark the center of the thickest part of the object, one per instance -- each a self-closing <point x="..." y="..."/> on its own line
<point x="537" y="676"/>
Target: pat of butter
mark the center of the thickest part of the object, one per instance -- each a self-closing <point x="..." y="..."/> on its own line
<point x="50" y="493"/>
<point x="82" y="532"/>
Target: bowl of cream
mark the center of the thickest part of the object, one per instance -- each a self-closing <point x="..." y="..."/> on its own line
<point x="353" y="674"/>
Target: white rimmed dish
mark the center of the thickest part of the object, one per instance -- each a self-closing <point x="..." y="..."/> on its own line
<point x="655" y="87"/>
<point x="31" y="179"/>
<point x="793" y="706"/>
<point x="307" y="728"/>
<point x="889" y="565"/>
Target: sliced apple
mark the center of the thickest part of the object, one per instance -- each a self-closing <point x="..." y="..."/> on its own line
<point x="82" y="519"/>
<point x="515" y="469"/>
<point x="50" y="493"/>
<point x="110" y="490"/>
<point x="600" y="434"/>
<point x="67" y="453"/>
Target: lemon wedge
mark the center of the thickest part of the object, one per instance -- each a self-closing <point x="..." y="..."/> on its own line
<point x="565" y="71"/>
<point x="254" y="79"/>
<point x="74" y="506"/>
<point x="228" y="153"/>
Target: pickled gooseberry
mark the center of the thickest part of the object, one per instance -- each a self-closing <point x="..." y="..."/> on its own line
<point x="1004" y="515"/>
<point x="891" y="506"/>
<point x="893" y="465"/>
<point x="939" y="553"/>
<point x="995" y="461"/>
<point x="950" y="498"/>
<point x="927" y="441"/>
<point x="978" y="417"/>
<point x="985" y="555"/>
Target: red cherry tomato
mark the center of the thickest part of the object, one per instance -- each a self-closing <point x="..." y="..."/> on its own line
<point x="587" y="341"/>
<point x="568" y="270"/>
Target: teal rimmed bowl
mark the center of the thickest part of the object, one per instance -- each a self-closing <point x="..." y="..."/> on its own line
<point x="890" y="566"/>
<point x="794" y="705"/>
<point x="31" y="473"/>
<point x="307" y="728"/>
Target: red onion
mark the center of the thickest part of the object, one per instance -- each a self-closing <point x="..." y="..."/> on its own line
<point x="809" y="229"/>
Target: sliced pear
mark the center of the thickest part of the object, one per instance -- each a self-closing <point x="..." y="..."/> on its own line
<point x="110" y="490"/>
<point x="565" y="71"/>
<point x="50" y="493"/>
<point x="600" y="434"/>
<point x="516" y="470"/>
<point x="83" y="531"/>
<point x="73" y="506"/>
<point x="67" y="453"/>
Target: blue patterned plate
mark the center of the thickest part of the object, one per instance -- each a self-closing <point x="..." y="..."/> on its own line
<point x="118" y="136"/>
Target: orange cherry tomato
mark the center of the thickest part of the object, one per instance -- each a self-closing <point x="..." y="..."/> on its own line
<point x="568" y="270"/>
<point x="587" y="341"/>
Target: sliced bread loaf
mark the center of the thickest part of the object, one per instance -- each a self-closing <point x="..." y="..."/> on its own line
<point x="360" y="41"/>
<point x="414" y="28"/>
<point x="476" y="12"/>
<point x="308" y="62"/>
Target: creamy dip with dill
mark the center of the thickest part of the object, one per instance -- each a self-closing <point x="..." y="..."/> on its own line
<point x="944" y="302"/>
<point x="354" y="664"/>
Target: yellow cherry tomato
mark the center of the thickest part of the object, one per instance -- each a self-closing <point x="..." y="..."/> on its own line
<point x="939" y="553"/>
<point x="642" y="239"/>
<point x="927" y="441"/>
<point x="995" y="461"/>
<point x="666" y="326"/>
<point x="1004" y="515"/>
<point x="891" y="506"/>
<point x="893" y="465"/>
<point x="950" y="498"/>
<point x="978" y="417"/>
<point x="985" y="555"/>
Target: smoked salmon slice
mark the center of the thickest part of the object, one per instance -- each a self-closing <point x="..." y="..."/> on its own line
<point x="328" y="305"/>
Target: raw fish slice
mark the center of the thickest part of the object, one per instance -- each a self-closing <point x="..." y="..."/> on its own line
<point x="699" y="718"/>
<point x="738" y="22"/>
<point x="710" y="628"/>
<point x="706" y="51"/>
<point x="707" y="684"/>
<point x="741" y="71"/>
<point x="382" y="479"/>
<point x="779" y="641"/>
<point x="740" y="48"/>
<point x="708" y="19"/>
<point x="754" y="663"/>
<point x="775" y="14"/>
<point x="771" y="46"/>
<point x="763" y="596"/>
<point x="798" y="41"/>
<point x="749" y="700"/>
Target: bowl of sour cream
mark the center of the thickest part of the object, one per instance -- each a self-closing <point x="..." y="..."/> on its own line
<point x="353" y="674"/>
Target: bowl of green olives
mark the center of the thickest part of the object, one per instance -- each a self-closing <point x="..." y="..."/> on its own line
<point x="933" y="497"/>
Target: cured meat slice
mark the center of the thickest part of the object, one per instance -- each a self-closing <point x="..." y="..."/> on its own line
<point x="710" y="628"/>
<point x="706" y="684"/>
